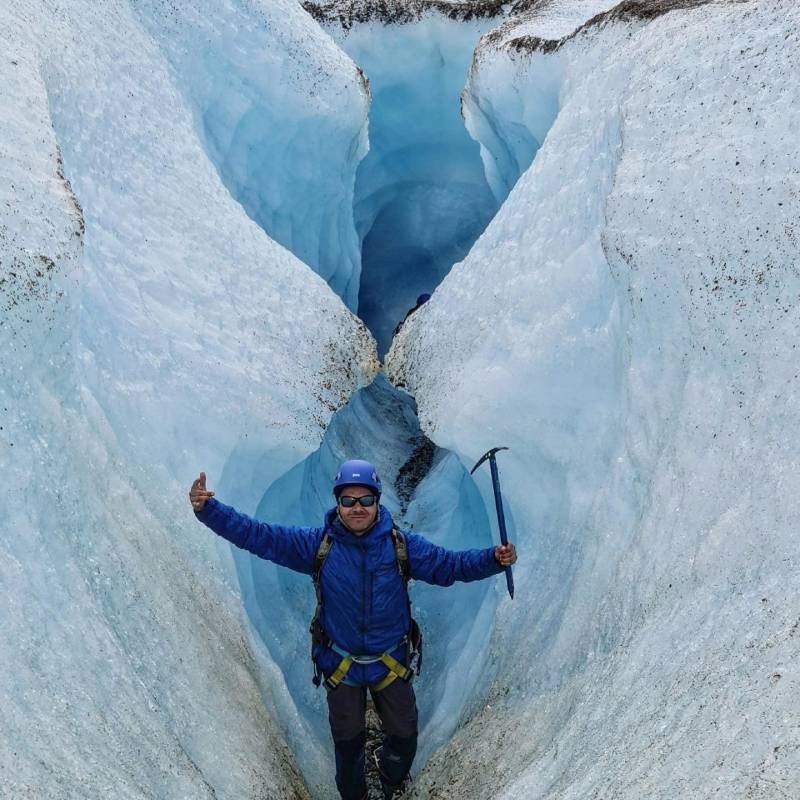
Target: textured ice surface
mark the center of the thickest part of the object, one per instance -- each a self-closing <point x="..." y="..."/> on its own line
<point x="148" y="328"/>
<point x="552" y="20"/>
<point x="421" y="194"/>
<point x="511" y="125"/>
<point x="266" y="115"/>
<point x="628" y="325"/>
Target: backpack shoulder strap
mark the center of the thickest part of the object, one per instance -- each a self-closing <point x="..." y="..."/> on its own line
<point x="401" y="552"/>
<point x="324" y="548"/>
<point x="318" y="635"/>
<point x="414" y="636"/>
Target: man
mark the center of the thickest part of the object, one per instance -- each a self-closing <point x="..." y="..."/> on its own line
<point x="363" y="624"/>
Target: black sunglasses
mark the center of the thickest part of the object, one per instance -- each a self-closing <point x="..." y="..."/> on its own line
<point x="348" y="502"/>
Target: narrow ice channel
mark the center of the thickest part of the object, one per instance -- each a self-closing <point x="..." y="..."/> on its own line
<point x="421" y="196"/>
<point x="421" y="200"/>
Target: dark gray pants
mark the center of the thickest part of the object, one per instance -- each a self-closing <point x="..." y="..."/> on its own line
<point x="397" y="708"/>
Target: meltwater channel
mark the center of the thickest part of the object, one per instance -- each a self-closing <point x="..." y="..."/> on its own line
<point x="421" y="200"/>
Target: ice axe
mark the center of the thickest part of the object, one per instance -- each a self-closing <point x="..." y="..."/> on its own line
<point x="498" y="501"/>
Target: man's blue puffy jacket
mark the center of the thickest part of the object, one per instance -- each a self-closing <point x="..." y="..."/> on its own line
<point x="364" y="607"/>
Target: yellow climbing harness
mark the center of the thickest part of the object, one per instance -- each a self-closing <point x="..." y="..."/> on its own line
<point x="396" y="669"/>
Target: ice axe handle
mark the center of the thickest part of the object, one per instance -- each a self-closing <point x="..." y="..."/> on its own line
<point x="501" y="519"/>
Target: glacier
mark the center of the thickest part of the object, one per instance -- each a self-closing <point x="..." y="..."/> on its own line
<point x="421" y="196"/>
<point x="149" y="329"/>
<point x="633" y="328"/>
<point x="195" y="200"/>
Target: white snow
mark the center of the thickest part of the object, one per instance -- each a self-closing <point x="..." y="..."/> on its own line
<point x="628" y="325"/>
<point x="149" y="329"/>
<point x="548" y="19"/>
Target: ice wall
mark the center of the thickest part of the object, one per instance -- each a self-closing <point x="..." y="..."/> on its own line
<point x="140" y="341"/>
<point x="421" y="197"/>
<point x="266" y="115"/>
<point x="628" y="324"/>
<point x="510" y="126"/>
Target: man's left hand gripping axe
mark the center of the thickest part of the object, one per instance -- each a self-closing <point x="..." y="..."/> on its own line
<point x="498" y="501"/>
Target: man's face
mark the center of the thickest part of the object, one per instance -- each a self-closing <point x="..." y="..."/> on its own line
<point x="357" y="518"/>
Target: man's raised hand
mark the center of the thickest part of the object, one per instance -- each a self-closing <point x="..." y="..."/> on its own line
<point x="198" y="494"/>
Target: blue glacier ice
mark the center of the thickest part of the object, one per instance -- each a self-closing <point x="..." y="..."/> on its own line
<point x="266" y="115"/>
<point x="421" y="195"/>
<point x="185" y="190"/>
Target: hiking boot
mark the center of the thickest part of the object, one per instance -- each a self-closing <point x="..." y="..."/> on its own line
<point x="390" y="790"/>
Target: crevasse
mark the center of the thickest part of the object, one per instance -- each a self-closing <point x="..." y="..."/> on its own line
<point x="421" y="199"/>
<point x="627" y="323"/>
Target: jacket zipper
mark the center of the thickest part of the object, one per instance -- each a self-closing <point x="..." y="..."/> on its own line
<point x="364" y="599"/>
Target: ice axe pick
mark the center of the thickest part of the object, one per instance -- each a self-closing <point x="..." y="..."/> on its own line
<point x="498" y="501"/>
